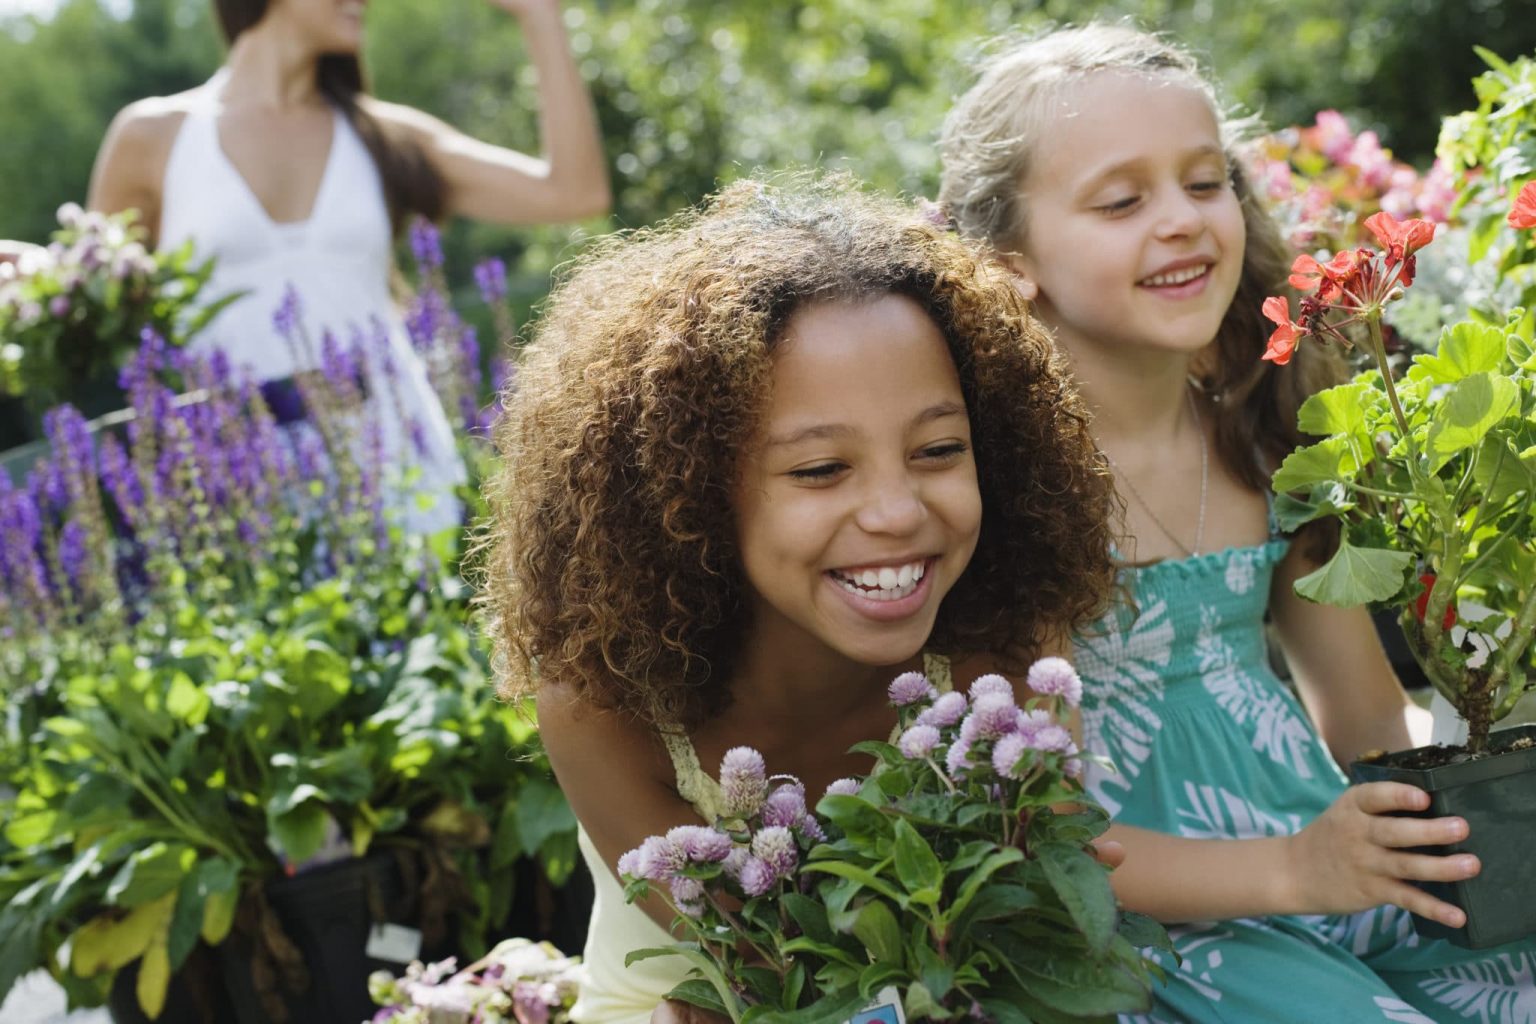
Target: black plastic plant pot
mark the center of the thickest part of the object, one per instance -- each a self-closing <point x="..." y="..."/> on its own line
<point x="1497" y="797"/>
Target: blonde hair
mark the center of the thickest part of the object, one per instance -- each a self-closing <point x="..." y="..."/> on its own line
<point x="987" y="144"/>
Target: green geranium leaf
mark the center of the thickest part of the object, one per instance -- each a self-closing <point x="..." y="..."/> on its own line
<point x="150" y="873"/>
<point x="1465" y="349"/>
<point x="1356" y="576"/>
<point x="1338" y="410"/>
<point x="1500" y="473"/>
<point x="1328" y="460"/>
<point x="1466" y="415"/>
<point x="1291" y="513"/>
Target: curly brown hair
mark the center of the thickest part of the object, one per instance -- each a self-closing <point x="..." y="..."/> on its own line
<point x="988" y="142"/>
<point x="611" y="559"/>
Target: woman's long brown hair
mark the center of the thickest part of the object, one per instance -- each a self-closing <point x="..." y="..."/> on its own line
<point x="411" y="183"/>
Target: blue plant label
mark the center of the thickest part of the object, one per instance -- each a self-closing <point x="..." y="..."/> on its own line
<point x="399" y="944"/>
<point x="886" y="1009"/>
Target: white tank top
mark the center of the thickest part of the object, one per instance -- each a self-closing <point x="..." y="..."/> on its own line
<point x="338" y="260"/>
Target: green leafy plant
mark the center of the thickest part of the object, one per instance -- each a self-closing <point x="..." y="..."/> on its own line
<point x="952" y="873"/>
<point x="224" y="663"/>
<point x="72" y="313"/>
<point x="1432" y="475"/>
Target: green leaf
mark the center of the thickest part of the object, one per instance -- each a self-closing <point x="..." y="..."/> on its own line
<point x="876" y="927"/>
<point x="1338" y="410"/>
<point x="150" y="873"/>
<point x="1499" y="472"/>
<point x="1083" y="887"/>
<point x="542" y="812"/>
<point x="1144" y="932"/>
<point x="218" y="885"/>
<point x="1328" y="460"/>
<point x="1465" y="416"/>
<point x="297" y="834"/>
<point x="863" y="876"/>
<point x="916" y="864"/>
<point x="1329" y="499"/>
<point x="1465" y="349"/>
<point x="1356" y="576"/>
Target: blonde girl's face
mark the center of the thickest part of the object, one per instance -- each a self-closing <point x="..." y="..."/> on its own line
<point x="857" y="504"/>
<point x="1133" y="234"/>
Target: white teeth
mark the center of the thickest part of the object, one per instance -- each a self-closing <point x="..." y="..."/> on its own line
<point x="1176" y="276"/>
<point x="883" y="584"/>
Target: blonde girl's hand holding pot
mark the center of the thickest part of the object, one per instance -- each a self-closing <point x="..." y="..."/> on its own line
<point x="1359" y="854"/>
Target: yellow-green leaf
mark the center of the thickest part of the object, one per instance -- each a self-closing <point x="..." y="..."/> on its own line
<point x="1467" y="413"/>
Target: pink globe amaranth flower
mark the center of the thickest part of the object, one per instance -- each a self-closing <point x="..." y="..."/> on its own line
<point x="1055" y="677"/>
<point x="785" y="805"/>
<point x="1073" y="766"/>
<point x="735" y="861"/>
<point x="843" y="787"/>
<point x="685" y="889"/>
<point x="957" y="761"/>
<point x="629" y="864"/>
<point x="991" y="717"/>
<point x="809" y="828"/>
<point x="701" y="844"/>
<point x="945" y="711"/>
<point x="1031" y="722"/>
<point x="660" y="859"/>
<point x="918" y="741"/>
<point x="775" y="846"/>
<point x="1053" y="738"/>
<point x="1007" y="754"/>
<point x="757" y="877"/>
<point x="59" y="306"/>
<point x="909" y="688"/>
<point x="991" y="684"/>
<point x="743" y="782"/>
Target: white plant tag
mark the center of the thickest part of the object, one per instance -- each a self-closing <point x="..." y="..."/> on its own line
<point x="394" y="942"/>
<point x="886" y="1009"/>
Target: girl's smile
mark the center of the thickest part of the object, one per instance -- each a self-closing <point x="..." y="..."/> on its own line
<point x="857" y="508"/>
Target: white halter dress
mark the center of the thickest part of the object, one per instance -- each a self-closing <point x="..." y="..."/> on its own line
<point x="338" y="260"/>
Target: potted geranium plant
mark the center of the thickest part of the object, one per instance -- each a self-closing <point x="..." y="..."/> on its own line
<point x="230" y="677"/>
<point x="1432" y="477"/>
<point x="950" y="881"/>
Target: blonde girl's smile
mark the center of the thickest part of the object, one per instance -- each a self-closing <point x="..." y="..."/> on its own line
<point x="858" y="508"/>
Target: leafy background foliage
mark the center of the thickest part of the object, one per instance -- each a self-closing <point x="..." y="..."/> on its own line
<point x="694" y="92"/>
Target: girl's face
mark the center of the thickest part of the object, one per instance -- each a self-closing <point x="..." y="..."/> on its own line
<point x="857" y="506"/>
<point x="1133" y="234"/>
<point x="329" y="26"/>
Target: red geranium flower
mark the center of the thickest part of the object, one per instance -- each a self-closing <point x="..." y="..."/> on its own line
<point x="1282" y="343"/>
<point x="1331" y="279"/>
<point x="1523" y="213"/>
<point x="1422" y="605"/>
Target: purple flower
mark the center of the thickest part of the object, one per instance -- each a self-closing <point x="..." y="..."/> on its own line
<point x="992" y="716"/>
<point x="743" y="782"/>
<point x="659" y="860"/>
<point x="785" y="806"/>
<point x="1055" y="677"/>
<point x="74" y="553"/>
<point x="958" y="760"/>
<point x="918" y="741"/>
<point x="685" y="889"/>
<point x="945" y="711"/>
<point x="775" y="846"/>
<point x="1006" y="755"/>
<point x="59" y="306"/>
<point x="528" y="1003"/>
<point x="629" y="864"/>
<point x="491" y="279"/>
<point x="757" y="877"/>
<point x="843" y="787"/>
<point x="909" y="688"/>
<point x="426" y="244"/>
<point x="991" y="683"/>
<point x="1053" y="738"/>
<point x="735" y="861"/>
<point x="285" y="319"/>
<point x="700" y="843"/>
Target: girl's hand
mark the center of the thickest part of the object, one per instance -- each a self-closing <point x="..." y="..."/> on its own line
<point x="671" y="1012"/>
<point x="1356" y="855"/>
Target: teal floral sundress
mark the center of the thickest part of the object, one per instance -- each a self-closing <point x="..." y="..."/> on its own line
<point x="1207" y="742"/>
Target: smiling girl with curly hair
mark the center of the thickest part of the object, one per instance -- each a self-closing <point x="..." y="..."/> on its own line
<point x="759" y="460"/>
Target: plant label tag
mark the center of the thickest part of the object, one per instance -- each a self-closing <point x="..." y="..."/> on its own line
<point x="886" y="1009"/>
<point x="394" y="942"/>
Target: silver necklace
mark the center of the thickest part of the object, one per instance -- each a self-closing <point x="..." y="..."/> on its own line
<point x="1205" y="474"/>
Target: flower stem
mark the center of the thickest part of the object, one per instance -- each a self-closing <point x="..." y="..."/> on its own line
<point x="1379" y="351"/>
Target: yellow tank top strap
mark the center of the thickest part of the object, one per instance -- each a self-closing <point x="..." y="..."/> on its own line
<point x="694" y="784"/>
<point x="936" y="668"/>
